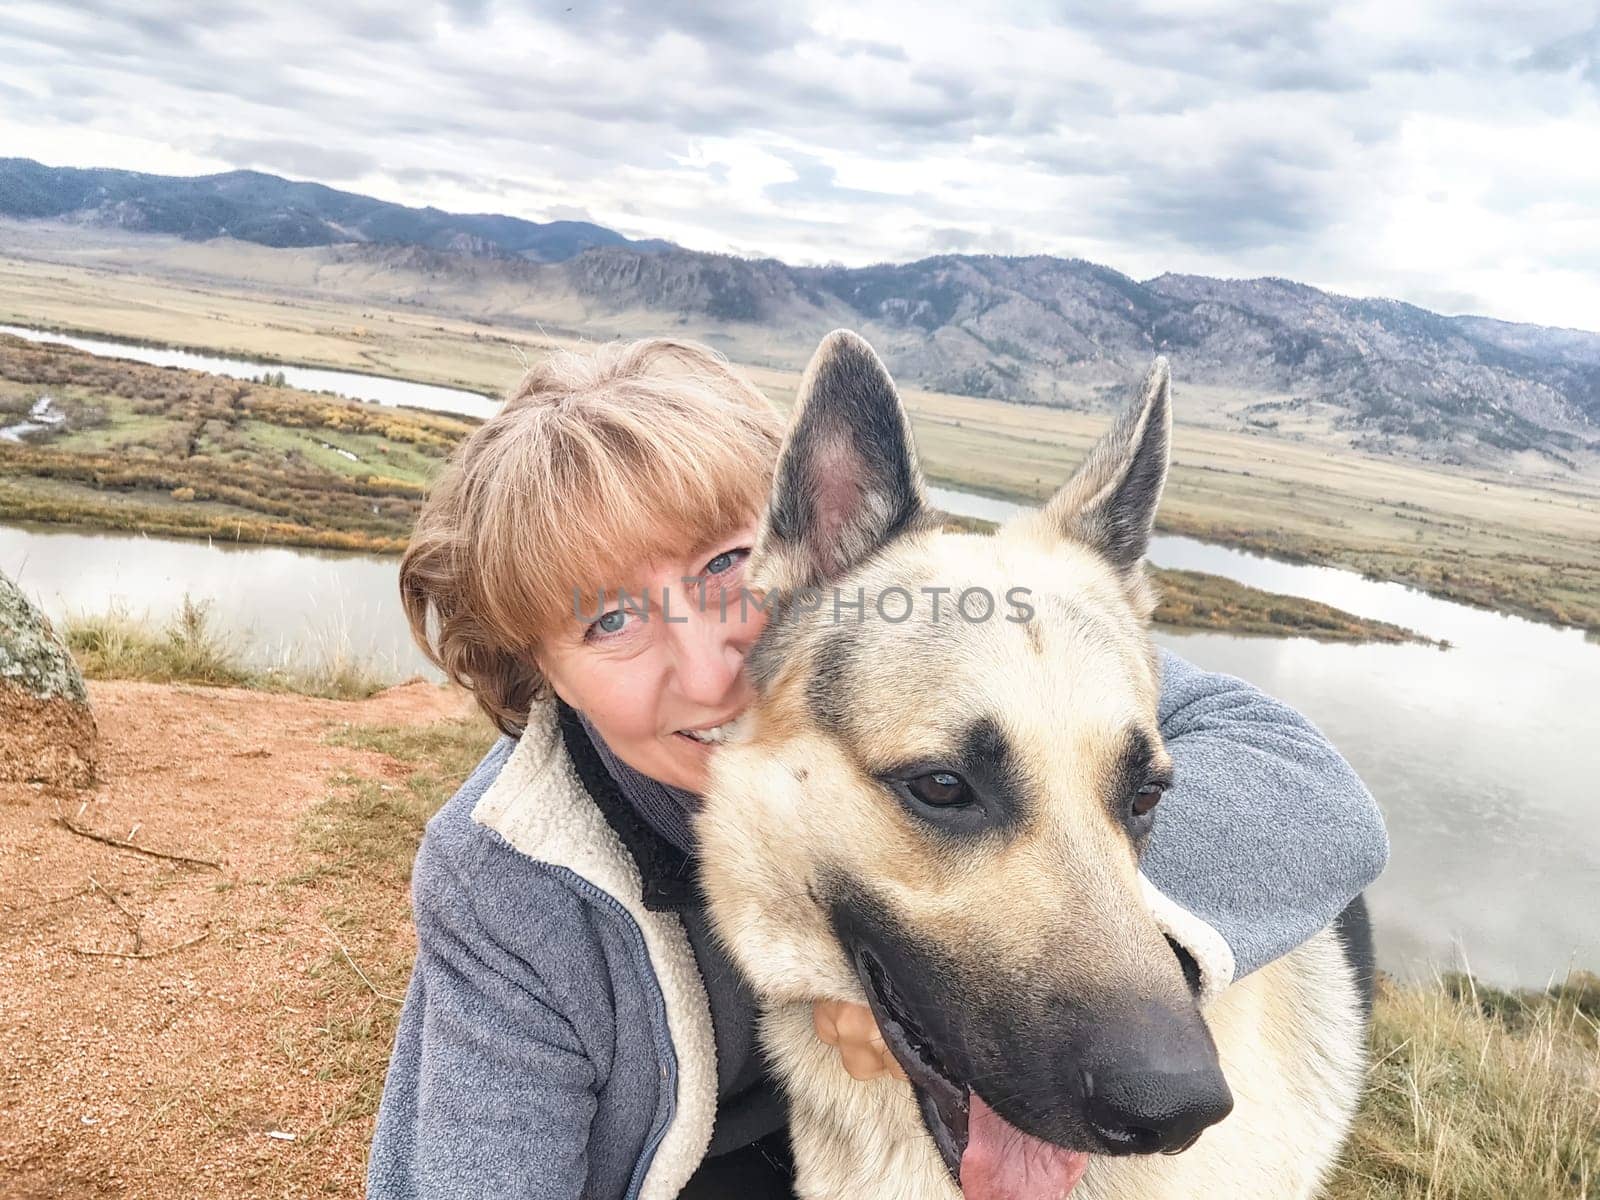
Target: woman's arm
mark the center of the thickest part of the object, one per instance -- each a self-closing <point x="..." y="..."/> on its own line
<point x="1268" y="833"/>
<point x="490" y="1090"/>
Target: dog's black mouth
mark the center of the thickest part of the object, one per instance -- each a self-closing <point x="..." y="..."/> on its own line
<point x="944" y="1101"/>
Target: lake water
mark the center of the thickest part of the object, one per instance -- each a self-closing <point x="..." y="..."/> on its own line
<point x="1485" y="757"/>
<point x="377" y="388"/>
<point x="279" y="605"/>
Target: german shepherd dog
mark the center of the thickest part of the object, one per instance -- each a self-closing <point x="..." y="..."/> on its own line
<point x="942" y="817"/>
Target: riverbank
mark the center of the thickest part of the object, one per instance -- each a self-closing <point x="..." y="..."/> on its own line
<point x="175" y="1030"/>
<point x="1201" y="602"/>
<point x="1528" y="545"/>
<point x="178" y="453"/>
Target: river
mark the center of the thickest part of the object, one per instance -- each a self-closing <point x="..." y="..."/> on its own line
<point x="1485" y="757"/>
<point x="378" y="388"/>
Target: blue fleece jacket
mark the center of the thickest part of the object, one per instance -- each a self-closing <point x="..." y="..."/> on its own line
<point x="557" y="1039"/>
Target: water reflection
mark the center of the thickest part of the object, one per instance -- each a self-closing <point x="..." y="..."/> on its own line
<point x="1485" y="771"/>
<point x="280" y="605"/>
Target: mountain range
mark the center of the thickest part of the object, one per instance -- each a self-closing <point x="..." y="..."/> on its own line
<point x="271" y="211"/>
<point x="1270" y="354"/>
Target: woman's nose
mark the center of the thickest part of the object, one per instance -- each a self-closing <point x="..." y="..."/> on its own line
<point x="709" y="654"/>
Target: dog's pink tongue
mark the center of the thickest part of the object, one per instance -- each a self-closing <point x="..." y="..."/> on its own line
<point x="1003" y="1163"/>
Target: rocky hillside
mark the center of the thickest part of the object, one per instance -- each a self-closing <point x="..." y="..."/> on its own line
<point x="1382" y="374"/>
<point x="1263" y="354"/>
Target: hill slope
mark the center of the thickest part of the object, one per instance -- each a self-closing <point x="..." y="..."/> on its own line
<point x="1281" y="356"/>
<point x="1276" y="355"/>
<point x="256" y="207"/>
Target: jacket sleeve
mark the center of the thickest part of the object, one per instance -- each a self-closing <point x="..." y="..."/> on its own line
<point x="490" y="1091"/>
<point x="1267" y="833"/>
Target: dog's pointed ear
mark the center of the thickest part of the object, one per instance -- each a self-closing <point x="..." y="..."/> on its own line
<point x="847" y="479"/>
<point x="1110" y="502"/>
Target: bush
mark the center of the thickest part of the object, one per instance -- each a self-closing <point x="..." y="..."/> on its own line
<point x="188" y="650"/>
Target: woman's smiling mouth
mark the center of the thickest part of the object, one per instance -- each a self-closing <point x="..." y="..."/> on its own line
<point x="713" y="735"/>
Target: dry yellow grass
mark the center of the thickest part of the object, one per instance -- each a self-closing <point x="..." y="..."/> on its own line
<point x="1477" y="1094"/>
<point x="188" y="649"/>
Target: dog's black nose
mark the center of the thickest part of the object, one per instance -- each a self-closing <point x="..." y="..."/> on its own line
<point x="1151" y="1081"/>
<point x="1145" y="1107"/>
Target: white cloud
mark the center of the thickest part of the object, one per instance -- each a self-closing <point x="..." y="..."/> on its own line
<point x="1439" y="152"/>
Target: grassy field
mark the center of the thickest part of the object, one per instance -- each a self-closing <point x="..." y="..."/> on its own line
<point x="1530" y="546"/>
<point x="188" y="454"/>
<point x="1195" y="600"/>
<point x="1480" y="1094"/>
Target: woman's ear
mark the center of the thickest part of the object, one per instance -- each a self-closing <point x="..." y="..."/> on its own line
<point x="538" y="662"/>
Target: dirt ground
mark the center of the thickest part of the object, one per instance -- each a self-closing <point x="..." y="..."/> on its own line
<point x="204" y="1068"/>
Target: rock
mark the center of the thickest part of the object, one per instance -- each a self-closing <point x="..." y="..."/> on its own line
<point x="47" y="733"/>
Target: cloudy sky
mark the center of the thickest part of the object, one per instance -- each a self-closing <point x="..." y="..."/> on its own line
<point x="1443" y="153"/>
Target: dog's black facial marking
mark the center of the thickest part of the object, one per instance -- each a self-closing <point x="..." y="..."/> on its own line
<point x="954" y="1031"/>
<point x="960" y="1023"/>
<point x="882" y="951"/>
<point x="993" y="796"/>
<point x="830" y="698"/>
<point x="1138" y="766"/>
<point x="945" y="1102"/>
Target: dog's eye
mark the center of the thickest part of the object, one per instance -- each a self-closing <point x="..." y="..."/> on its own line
<point x="941" y="789"/>
<point x="1147" y="797"/>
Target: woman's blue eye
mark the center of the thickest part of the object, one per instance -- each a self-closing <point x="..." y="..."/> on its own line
<point x="610" y="622"/>
<point x="725" y="561"/>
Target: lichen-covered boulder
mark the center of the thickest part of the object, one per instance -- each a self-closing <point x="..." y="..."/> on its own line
<point x="47" y="733"/>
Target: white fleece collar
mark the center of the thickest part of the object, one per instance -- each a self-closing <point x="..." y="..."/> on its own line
<point x="1208" y="948"/>
<point x="538" y="804"/>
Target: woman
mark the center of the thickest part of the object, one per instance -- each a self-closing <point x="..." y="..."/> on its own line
<point x="567" y="998"/>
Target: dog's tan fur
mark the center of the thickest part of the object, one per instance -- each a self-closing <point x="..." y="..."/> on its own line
<point x="1290" y="1037"/>
<point x="1056" y="900"/>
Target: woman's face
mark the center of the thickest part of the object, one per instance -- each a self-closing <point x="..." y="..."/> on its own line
<point x="658" y="663"/>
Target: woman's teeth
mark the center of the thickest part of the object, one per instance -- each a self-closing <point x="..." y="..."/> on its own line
<point x="716" y="735"/>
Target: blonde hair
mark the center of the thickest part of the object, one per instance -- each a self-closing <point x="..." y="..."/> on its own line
<point x="599" y="462"/>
